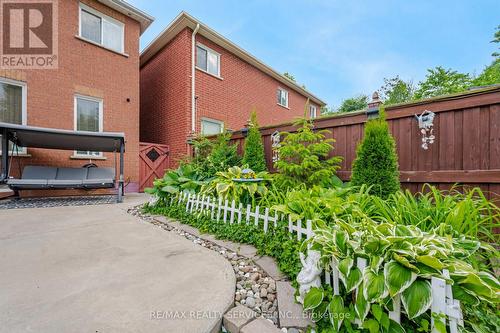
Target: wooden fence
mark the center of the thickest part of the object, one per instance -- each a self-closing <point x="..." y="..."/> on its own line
<point x="220" y="210"/>
<point x="466" y="149"/>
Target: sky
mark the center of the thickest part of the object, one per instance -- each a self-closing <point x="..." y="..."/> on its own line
<point x="339" y="49"/>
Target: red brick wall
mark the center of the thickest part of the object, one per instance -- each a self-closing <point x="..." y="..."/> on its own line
<point x="88" y="70"/>
<point x="166" y="96"/>
<point x="242" y="88"/>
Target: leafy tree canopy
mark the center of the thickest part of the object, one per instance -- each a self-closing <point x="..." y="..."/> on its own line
<point x="289" y="76"/>
<point x="441" y="81"/>
<point x="395" y="90"/>
<point x="355" y="103"/>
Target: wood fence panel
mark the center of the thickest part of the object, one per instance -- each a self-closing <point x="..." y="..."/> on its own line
<point x="466" y="148"/>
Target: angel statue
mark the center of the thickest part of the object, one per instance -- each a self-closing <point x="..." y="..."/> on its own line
<point x="309" y="275"/>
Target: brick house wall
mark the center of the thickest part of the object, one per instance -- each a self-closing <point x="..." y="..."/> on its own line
<point x="166" y="95"/>
<point x="89" y="70"/>
<point x="165" y="83"/>
<point x="241" y="89"/>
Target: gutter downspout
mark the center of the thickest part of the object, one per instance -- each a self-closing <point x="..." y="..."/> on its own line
<point x="193" y="93"/>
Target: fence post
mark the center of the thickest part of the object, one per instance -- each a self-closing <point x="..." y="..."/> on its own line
<point x="335" y="276"/>
<point x="218" y="209"/>
<point x="225" y="211"/>
<point x="299" y="230"/>
<point x="257" y="216"/>
<point x="361" y="264"/>
<point x="231" y="219"/>
<point x="187" y="202"/>
<point x="438" y="306"/>
<point x="266" y="219"/>
<point x="248" y="214"/>
<point x="309" y="230"/>
<point x="290" y="226"/>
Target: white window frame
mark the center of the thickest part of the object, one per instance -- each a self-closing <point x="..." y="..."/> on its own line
<point x="313" y="111"/>
<point x="209" y="50"/>
<point x="282" y="90"/>
<point x="75" y="120"/>
<point x="24" y="107"/>
<point x="210" y="120"/>
<point x="103" y="17"/>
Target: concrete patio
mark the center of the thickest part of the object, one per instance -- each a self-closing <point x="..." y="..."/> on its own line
<point x="98" y="269"/>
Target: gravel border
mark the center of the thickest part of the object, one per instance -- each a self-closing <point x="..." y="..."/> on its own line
<point x="254" y="288"/>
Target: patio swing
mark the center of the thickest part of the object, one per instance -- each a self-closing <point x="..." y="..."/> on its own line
<point x="89" y="177"/>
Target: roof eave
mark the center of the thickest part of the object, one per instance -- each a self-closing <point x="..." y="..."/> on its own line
<point x="125" y="8"/>
<point x="184" y="20"/>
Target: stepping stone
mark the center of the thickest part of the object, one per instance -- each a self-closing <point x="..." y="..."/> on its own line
<point x="189" y="229"/>
<point x="247" y="251"/>
<point x="237" y="317"/>
<point x="270" y="266"/>
<point x="295" y="317"/>
<point x="260" y="325"/>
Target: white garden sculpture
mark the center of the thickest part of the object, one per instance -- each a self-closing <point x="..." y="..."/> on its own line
<point x="309" y="275"/>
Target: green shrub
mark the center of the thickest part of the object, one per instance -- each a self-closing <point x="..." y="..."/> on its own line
<point x="254" y="149"/>
<point x="184" y="178"/>
<point x="303" y="157"/>
<point x="223" y="155"/>
<point x="376" y="163"/>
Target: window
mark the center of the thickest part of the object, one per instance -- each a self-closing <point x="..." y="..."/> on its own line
<point x="207" y="60"/>
<point x="312" y="111"/>
<point x="88" y="117"/>
<point x="282" y="96"/>
<point x="211" y="127"/>
<point x="101" y="29"/>
<point x="13" y="104"/>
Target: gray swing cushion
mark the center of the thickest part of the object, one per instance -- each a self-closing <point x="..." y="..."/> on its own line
<point x="100" y="177"/>
<point x="68" y="177"/>
<point x="34" y="177"/>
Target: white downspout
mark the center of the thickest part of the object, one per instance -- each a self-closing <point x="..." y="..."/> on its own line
<point x="193" y="92"/>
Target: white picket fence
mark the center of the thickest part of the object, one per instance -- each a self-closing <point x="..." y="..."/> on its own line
<point x="230" y="212"/>
<point x="219" y="209"/>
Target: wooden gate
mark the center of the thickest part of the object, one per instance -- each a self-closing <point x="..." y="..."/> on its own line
<point x="153" y="161"/>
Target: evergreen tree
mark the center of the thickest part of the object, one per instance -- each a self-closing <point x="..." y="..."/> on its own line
<point x="376" y="162"/>
<point x="254" y="149"/>
<point x="223" y="155"/>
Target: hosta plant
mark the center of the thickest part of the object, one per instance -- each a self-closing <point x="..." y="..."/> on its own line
<point x="400" y="263"/>
<point x="185" y="178"/>
<point x="228" y="185"/>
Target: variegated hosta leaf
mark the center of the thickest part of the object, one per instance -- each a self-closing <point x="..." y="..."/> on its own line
<point x="341" y="239"/>
<point x="336" y="311"/>
<point x="397" y="277"/>
<point x="353" y="279"/>
<point x="395" y="327"/>
<point x="313" y="298"/>
<point x="374" y="285"/>
<point x="417" y="298"/>
<point x="404" y="261"/>
<point x="344" y="266"/>
<point x="362" y="307"/>
<point x="430" y="261"/>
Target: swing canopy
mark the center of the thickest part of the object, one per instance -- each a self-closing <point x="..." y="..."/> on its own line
<point x="49" y="138"/>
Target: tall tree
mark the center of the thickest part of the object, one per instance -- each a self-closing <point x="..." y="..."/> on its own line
<point x="441" y="81"/>
<point x="355" y="103"/>
<point x="496" y="39"/>
<point x="289" y="76"/>
<point x="490" y="75"/>
<point x="395" y="90"/>
<point x="254" y="149"/>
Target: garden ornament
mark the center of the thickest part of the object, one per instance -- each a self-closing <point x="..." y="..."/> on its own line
<point x="425" y="124"/>
<point x="309" y="275"/>
<point x="153" y="200"/>
<point x="275" y="143"/>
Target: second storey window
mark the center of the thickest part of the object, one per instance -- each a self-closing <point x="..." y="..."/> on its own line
<point x="207" y="60"/>
<point x="313" y="111"/>
<point x="88" y="117"/>
<point x="101" y="29"/>
<point x="282" y="96"/>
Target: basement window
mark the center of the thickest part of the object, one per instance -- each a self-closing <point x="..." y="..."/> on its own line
<point x="211" y="126"/>
<point x="207" y="60"/>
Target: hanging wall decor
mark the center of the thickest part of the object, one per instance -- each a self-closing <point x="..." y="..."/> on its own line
<point x="425" y="124"/>
<point x="275" y="144"/>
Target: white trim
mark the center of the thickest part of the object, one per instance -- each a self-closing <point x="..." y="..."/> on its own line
<point x="209" y="50"/>
<point x="287" y="97"/>
<point x="75" y="120"/>
<point x="24" y="105"/>
<point x="103" y="17"/>
<point x="211" y="120"/>
<point x="311" y="113"/>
